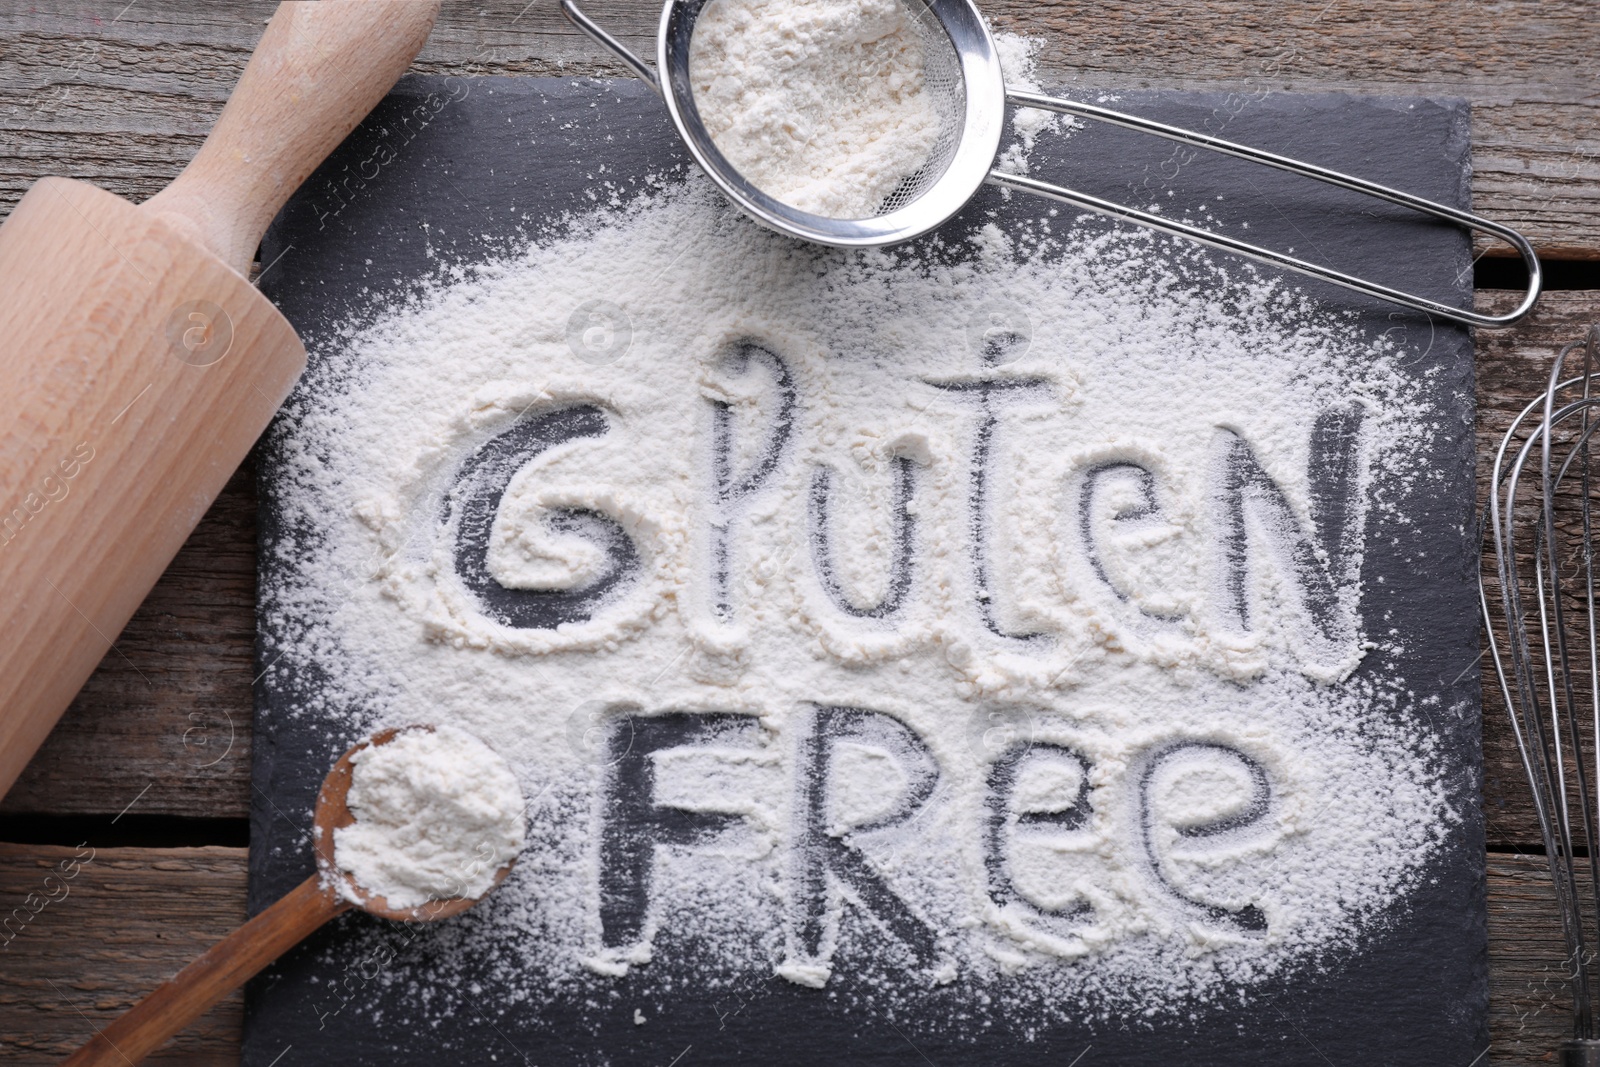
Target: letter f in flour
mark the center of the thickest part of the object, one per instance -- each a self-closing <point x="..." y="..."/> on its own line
<point x="638" y="820"/>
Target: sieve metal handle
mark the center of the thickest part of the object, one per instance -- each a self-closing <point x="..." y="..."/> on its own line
<point x="640" y="68"/>
<point x="1256" y="252"/>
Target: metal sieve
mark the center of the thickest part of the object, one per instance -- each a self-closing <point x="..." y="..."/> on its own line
<point x="963" y="77"/>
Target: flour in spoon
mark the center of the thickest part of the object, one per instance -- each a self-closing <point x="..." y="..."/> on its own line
<point x="821" y="104"/>
<point x="437" y="815"/>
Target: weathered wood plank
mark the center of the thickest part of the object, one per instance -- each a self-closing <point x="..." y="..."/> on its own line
<point x="1530" y="1004"/>
<point x="131" y="917"/>
<point x="124" y="101"/>
<point x="85" y="934"/>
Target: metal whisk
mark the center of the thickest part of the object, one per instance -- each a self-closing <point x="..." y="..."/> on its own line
<point x="1545" y="644"/>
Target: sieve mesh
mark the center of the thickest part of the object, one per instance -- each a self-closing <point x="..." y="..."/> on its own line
<point x="946" y="90"/>
<point x="962" y="85"/>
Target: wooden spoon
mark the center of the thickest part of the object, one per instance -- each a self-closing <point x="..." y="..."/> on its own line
<point x="231" y="962"/>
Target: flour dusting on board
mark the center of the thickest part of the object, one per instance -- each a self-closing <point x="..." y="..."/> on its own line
<point x="1019" y="60"/>
<point x="970" y="626"/>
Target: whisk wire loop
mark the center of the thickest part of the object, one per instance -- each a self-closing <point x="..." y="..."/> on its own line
<point x="1266" y="255"/>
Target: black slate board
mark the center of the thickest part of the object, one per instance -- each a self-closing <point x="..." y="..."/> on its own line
<point x="449" y="171"/>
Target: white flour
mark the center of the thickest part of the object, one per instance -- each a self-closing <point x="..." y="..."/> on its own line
<point x="437" y="814"/>
<point x="818" y="103"/>
<point x="980" y="614"/>
<point x="1019" y="58"/>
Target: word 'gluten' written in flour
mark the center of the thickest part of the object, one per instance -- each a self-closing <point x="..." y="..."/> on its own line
<point x="1255" y="552"/>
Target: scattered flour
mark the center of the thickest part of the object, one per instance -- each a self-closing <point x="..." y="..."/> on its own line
<point x="978" y="610"/>
<point x="818" y="103"/>
<point x="1019" y="60"/>
<point x="437" y="814"/>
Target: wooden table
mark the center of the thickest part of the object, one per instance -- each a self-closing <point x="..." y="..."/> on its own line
<point x="150" y="769"/>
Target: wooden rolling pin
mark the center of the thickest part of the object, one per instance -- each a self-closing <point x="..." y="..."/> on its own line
<point x="137" y="363"/>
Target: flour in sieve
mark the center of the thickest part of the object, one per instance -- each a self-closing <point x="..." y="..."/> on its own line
<point x="818" y="103"/>
<point x="1196" y="797"/>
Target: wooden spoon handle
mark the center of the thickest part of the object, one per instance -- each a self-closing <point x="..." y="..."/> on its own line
<point x="320" y="67"/>
<point x="228" y="964"/>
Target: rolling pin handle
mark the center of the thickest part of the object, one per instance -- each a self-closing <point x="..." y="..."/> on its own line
<point x="319" y="68"/>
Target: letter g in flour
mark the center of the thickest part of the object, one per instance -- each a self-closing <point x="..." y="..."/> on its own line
<point x="473" y="503"/>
